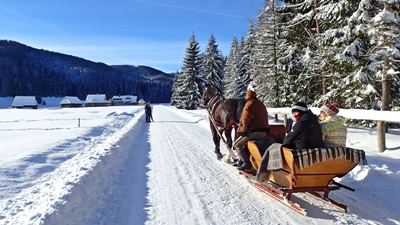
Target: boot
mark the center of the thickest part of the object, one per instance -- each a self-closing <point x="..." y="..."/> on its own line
<point x="246" y="167"/>
<point x="244" y="155"/>
<point x="238" y="163"/>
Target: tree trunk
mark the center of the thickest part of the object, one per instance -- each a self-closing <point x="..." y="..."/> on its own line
<point x="381" y="128"/>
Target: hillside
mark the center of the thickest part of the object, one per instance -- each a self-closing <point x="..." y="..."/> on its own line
<point x="28" y="71"/>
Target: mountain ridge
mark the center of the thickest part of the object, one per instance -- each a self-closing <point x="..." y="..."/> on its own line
<point x="25" y="70"/>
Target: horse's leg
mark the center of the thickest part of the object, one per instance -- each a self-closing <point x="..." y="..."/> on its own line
<point x="216" y="140"/>
<point x="228" y="156"/>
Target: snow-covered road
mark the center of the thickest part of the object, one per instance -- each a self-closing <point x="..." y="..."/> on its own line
<point x="166" y="172"/>
<point x="184" y="183"/>
<point x="191" y="187"/>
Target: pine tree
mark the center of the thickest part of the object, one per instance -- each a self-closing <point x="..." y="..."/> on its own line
<point x="175" y="90"/>
<point x="187" y="94"/>
<point x="266" y="76"/>
<point x="246" y="57"/>
<point x="201" y="79"/>
<point x="386" y="54"/>
<point x="231" y="75"/>
<point x="213" y="64"/>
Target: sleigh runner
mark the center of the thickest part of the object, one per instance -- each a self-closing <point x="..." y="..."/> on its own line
<point x="309" y="171"/>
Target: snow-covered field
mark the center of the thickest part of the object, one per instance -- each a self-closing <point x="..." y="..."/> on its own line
<point x="116" y="169"/>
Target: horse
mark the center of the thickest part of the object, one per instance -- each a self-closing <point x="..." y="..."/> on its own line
<point x="224" y="115"/>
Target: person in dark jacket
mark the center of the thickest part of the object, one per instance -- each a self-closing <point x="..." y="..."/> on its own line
<point x="148" y="111"/>
<point x="252" y="126"/>
<point x="306" y="132"/>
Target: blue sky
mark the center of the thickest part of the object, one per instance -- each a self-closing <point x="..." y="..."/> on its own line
<point x="137" y="32"/>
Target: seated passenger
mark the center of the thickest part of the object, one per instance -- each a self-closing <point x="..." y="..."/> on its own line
<point x="306" y="132"/>
<point x="334" y="130"/>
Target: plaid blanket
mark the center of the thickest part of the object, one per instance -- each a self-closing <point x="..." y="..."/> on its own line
<point x="307" y="157"/>
<point x="272" y="158"/>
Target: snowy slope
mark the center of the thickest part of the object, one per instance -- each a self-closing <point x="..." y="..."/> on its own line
<point x="166" y="173"/>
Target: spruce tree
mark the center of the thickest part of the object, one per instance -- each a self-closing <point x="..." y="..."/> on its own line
<point x="246" y="57"/>
<point x="231" y="75"/>
<point x="386" y="54"/>
<point x="187" y="94"/>
<point x="266" y="76"/>
<point x="175" y="89"/>
<point x="213" y="64"/>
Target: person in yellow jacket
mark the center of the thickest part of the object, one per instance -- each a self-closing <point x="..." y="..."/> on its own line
<point x="334" y="131"/>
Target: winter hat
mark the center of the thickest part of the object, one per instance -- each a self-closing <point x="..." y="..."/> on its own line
<point x="330" y="109"/>
<point x="251" y="86"/>
<point x="299" y="107"/>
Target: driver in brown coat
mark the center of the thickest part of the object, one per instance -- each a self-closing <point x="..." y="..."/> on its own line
<point x="252" y="126"/>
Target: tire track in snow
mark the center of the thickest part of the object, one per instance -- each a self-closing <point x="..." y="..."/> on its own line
<point x="171" y="165"/>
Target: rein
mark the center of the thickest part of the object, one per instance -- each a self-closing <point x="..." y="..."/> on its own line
<point x="213" y="103"/>
<point x="211" y="106"/>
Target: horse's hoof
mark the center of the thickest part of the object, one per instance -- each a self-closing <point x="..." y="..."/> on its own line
<point x="219" y="156"/>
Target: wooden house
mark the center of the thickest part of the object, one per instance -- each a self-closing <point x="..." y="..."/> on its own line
<point x="124" y="100"/>
<point x="71" y="102"/>
<point x="141" y="102"/>
<point x="25" y="102"/>
<point x="96" y="100"/>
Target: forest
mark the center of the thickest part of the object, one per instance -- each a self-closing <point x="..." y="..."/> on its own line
<point x="347" y="52"/>
<point x="29" y="71"/>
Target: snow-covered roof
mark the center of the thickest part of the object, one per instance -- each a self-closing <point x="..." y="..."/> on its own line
<point x="70" y="100"/>
<point x="20" y="101"/>
<point x="142" y="101"/>
<point x="124" y="98"/>
<point x="98" y="98"/>
<point x="129" y="98"/>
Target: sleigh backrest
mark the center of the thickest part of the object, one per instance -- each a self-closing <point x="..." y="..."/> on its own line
<point x="308" y="168"/>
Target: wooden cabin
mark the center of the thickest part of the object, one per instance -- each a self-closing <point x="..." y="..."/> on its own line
<point x="71" y="102"/>
<point x="25" y="102"/>
<point x="124" y="100"/>
<point x="96" y="100"/>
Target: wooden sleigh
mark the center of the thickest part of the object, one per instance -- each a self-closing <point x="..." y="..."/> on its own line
<point x="315" y="179"/>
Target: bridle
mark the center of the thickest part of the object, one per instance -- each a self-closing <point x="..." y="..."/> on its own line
<point x="213" y="103"/>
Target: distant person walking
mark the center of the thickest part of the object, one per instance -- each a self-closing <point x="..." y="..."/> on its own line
<point x="148" y="111"/>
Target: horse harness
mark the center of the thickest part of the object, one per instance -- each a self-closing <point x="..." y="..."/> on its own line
<point x="212" y="106"/>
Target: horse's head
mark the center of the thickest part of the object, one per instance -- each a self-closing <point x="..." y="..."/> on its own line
<point x="209" y="92"/>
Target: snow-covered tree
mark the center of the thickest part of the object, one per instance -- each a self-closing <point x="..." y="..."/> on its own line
<point x="246" y="57"/>
<point x="175" y="90"/>
<point x="386" y="53"/>
<point x="213" y="64"/>
<point x="267" y="78"/>
<point x="231" y="76"/>
<point x="201" y="79"/>
<point x="187" y="93"/>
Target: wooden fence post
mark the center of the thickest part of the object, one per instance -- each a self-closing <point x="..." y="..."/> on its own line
<point x="381" y="130"/>
<point x="79" y="122"/>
